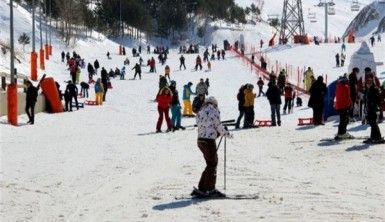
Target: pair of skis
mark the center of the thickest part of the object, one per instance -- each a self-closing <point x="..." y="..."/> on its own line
<point x="199" y="195"/>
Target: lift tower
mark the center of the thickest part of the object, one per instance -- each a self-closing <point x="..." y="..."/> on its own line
<point x="292" y="21"/>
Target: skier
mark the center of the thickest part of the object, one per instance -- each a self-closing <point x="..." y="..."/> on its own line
<point x="84" y="89"/>
<point x="343" y="47"/>
<point x="261" y="43"/>
<point x="343" y="104"/>
<point x="252" y="58"/>
<point x="263" y="63"/>
<point x="209" y="128"/>
<point x="105" y="80"/>
<point x="198" y="63"/>
<point x="126" y="62"/>
<point x="201" y="88"/>
<point x="175" y="108"/>
<point x="248" y="106"/>
<point x="63" y="54"/>
<point x="91" y="72"/>
<point x="372" y="39"/>
<point x="307" y="78"/>
<point x="343" y="57"/>
<point x="167" y="72"/>
<point x="379" y="37"/>
<point x="353" y="89"/>
<point x="71" y="92"/>
<point x="122" y="73"/>
<point x="218" y="54"/>
<point x="273" y="94"/>
<point x="152" y="65"/>
<point x="187" y="92"/>
<point x="99" y="92"/>
<point x="282" y="80"/>
<point x="289" y="94"/>
<point x="372" y="105"/>
<point x="241" y="108"/>
<point x="108" y="55"/>
<point x="260" y="84"/>
<point x="181" y="60"/>
<point x="138" y="71"/>
<point x="208" y="65"/>
<point x="31" y="98"/>
<point x="164" y="101"/>
<point x="337" y="60"/>
<point x="97" y="66"/>
<point x="223" y="53"/>
<point x="207" y="82"/>
<point x="148" y="49"/>
<point x="316" y="101"/>
<point x="124" y="51"/>
<point x="206" y="55"/>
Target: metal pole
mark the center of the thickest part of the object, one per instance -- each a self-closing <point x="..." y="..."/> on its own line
<point x="41" y="34"/>
<point x="12" y="43"/>
<point x="50" y="21"/>
<point x="121" y="25"/>
<point x="46" y="24"/>
<point x="224" y="178"/>
<point x="33" y="25"/>
<point x="326" y="21"/>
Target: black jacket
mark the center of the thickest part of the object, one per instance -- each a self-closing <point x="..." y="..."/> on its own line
<point x="372" y="97"/>
<point x="71" y="89"/>
<point x="104" y="76"/>
<point x="31" y="96"/>
<point x="273" y="94"/>
<point x="317" y="93"/>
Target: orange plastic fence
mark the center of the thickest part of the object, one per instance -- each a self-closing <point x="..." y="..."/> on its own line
<point x="12" y="103"/>
<point x="47" y="52"/>
<point x="41" y="57"/>
<point x="52" y="95"/>
<point x="34" y="66"/>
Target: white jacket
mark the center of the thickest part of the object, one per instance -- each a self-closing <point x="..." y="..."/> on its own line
<point x="209" y="123"/>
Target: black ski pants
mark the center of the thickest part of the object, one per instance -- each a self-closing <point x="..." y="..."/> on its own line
<point x="209" y="176"/>
<point x="344" y="120"/>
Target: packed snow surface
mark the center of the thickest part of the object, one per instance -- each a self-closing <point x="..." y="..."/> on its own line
<point x="104" y="163"/>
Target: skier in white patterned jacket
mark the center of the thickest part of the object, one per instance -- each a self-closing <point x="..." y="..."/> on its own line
<point x="209" y="129"/>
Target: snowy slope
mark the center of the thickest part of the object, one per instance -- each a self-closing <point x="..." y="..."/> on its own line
<point x="342" y="18"/>
<point x="95" y="164"/>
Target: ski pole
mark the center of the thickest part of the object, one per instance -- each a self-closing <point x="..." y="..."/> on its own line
<point x="224" y="166"/>
<point x="220" y="141"/>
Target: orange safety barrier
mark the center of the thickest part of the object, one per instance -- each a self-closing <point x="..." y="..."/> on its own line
<point x="305" y="121"/>
<point x="12" y="103"/>
<point x="262" y="123"/>
<point x="51" y="93"/>
<point x="34" y="66"/>
<point x="46" y="52"/>
<point x="41" y="56"/>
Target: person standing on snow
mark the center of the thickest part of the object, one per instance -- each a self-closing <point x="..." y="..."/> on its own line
<point x="273" y="94"/>
<point x="31" y="98"/>
<point x="248" y="106"/>
<point x="187" y="92"/>
<point x="209" y="128"/>
<point x="72" y="92"/>
<point x="241" y="108"/>
<point x="164" y="101"/>
<point x="289" y="96"/>
<point x="316" y="101"/>
<point x="138" y="71"/>
<point x="260" y="84"/>
<point x="201" y="88"/>
<point x="337" y="60"/>
<point x="97" y="66"/>
<point x="182" y="62"/>
<point x="105" y="79"/>
<point x="308" y="78"/>
<point x="176" y="114"/>
<point x="99" y="92"/>
<point x="198" y="63"/>
<point x="372" y="106"/>
<point x="353" y="89"/>
<point x="342" y="105"/>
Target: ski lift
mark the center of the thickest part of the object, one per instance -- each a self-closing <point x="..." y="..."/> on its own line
<point x="272" y="17"/>
<point x="312" y="16"/>
<point x="355" y="6"/>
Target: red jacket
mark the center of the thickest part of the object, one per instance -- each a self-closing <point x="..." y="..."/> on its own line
<point x="288" y="92"/>
<point x="343" y="100"/>
<point x="164" y="101"/>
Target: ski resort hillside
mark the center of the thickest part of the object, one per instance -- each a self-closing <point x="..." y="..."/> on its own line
<point x="107" y="163"/>
<point x="369" y="21"/>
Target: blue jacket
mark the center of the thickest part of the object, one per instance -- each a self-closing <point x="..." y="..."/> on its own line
<point x="187" y="92"/>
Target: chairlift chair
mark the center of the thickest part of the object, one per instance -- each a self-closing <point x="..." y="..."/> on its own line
<point x="355" y="6"/>
<point x="331" y="10"/>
